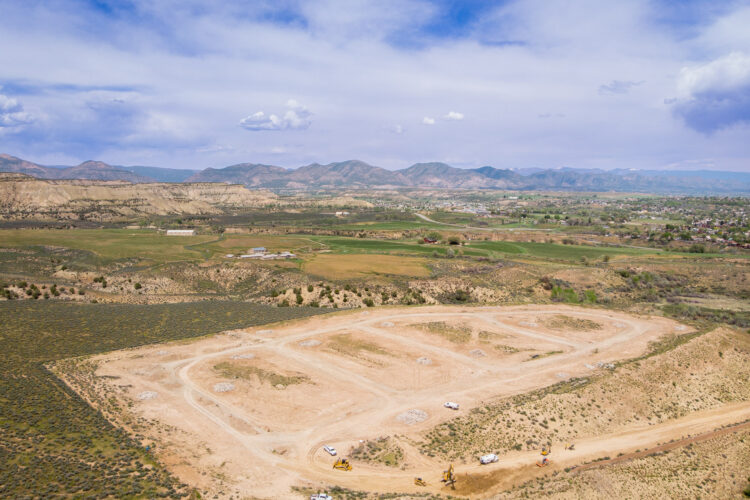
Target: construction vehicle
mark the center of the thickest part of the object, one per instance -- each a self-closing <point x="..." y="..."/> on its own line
<point x="449" y="478"/>
<point x="419" y="481"/>
<point x="570" y="446"/>
<point x="546" y="450"/>
<point x="342" y="464"/>
<point x="543" y="463"/>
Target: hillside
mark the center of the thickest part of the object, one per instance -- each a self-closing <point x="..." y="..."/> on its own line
<point x="357" y="174"/>
<point x="22" y="195"/>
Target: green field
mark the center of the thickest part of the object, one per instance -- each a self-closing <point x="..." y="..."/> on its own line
<point x="54" y="444"/>
<point x="557" y="252"/>
<point x="110" y="244"/>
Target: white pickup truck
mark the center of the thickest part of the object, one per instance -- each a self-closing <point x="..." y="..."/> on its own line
<point x="320" y="496"/>
<point x="330" y="450"/>
<point x="488" y="459"/>
<point x="451" y="405"/>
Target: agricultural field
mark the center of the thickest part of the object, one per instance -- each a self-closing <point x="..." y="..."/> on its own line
<point x="84" y="299"/>
<point x="110" y="244"/>
<point x="334" y="267"/>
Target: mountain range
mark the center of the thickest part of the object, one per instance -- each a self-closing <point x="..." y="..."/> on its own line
<point x="355" y="174"/>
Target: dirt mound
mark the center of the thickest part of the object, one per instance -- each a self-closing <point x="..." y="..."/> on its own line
<point x="310" y="343"/>
<point x="412" y="417"/>
<point x="243" y="356"/>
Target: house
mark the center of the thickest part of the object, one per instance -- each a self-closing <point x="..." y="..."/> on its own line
<point x="180" y="232"/>
<point x="258" y="250"/>
<point x="342" y="214"/>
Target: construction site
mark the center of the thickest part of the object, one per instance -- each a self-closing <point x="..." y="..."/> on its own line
<point x="401" y="400"/>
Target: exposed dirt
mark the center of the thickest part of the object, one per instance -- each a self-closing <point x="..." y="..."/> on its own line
<point x="365" y="380"/>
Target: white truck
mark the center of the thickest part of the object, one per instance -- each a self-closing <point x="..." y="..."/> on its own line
<point x="488" y="459"/>
<point x="320" y="496"/>
<point x="330" y="450"/>
<point x="451" y="405"/>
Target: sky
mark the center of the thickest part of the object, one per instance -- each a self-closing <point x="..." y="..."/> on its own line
<point x="643" y="84"/>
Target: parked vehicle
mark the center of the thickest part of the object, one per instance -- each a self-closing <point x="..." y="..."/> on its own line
<point x="320" y="496"/>
<point x="451" y="405"/>
<point x="488" y="459"/>
<point x="330" y="450"/>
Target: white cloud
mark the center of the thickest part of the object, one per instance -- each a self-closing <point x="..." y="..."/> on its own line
<point x="12" y="113"/>
<point x="715" y="95"/>
<point x="365" y="74"/>
<point x="725" y="74"/>
<point x="428" y="121"/>
<point x="397" y="129"/>
<point x="454" y="115"/>
<point x="296" y="117"/>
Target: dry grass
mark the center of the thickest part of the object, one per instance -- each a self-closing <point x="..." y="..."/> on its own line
<point x="346" y="344"/>
<point x="249" y="372"/>
<point x="457" y="334"/>
<point x="563" y="322"/>
<point x="363" y="265"/>
<point x="383" y="450"/>
<point x="701" y="374"/>
<point x="716" y="468"/>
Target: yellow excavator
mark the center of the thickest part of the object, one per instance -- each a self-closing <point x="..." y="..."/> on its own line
<point x="449" y="478"/>
<point x="419" y="481"/>
<point x="570" y="446"/>
<point x="342" y="464"/>
<point x="546" y="450"/>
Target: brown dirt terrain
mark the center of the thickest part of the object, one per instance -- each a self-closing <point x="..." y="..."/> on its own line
<point x="359" y="376"/>
<point x="65" y="199"/>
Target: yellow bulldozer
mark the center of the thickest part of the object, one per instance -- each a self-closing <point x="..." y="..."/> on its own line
<point x="419" y="481"/>
<point x="449" y="478"/>
<point x="342" y="464"/>
<point x="546" y="450"/>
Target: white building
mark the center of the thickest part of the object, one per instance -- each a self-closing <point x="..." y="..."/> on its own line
<point x="180" y="232"/>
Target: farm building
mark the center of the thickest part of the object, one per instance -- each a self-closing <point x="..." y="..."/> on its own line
<point x="180" y="232"/>
<point x="258" y="250"/>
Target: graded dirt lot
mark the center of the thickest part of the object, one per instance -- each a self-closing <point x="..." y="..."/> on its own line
<point x="247" y="412"/>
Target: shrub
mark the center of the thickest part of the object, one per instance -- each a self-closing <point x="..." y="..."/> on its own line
<point x="137" y="286"/>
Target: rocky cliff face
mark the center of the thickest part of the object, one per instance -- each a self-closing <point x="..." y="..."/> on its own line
<point x="22" y="196"/>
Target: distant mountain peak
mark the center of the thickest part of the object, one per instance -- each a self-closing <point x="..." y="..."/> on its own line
<point x="358" y="174"/>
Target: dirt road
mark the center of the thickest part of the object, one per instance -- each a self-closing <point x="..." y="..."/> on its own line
<point x="263" y="439"/>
